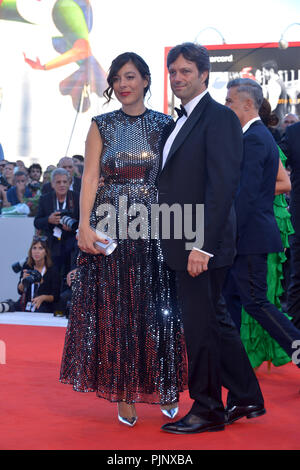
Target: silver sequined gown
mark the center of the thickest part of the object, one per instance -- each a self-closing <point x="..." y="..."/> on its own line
<point x="124" y="338"/>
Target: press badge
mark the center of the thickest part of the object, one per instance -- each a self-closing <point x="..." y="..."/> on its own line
<point x="30" y="307"/>
<point x="57" y="232"/>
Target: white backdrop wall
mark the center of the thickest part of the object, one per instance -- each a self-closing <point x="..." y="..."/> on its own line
<point x="36" y="121"/>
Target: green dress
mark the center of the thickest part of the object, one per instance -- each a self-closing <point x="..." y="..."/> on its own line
<point x="258" y="343"/>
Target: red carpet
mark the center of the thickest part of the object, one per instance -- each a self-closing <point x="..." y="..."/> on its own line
<point x="39" y="413"/>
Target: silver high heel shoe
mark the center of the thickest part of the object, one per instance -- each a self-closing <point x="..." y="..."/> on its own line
<point x="170" y="410"/>
<point x="128" y="421"/>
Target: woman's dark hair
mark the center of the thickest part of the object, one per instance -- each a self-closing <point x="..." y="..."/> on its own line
<point x="48" y="260"/>
<point x="266" y="115"/>
<point x="118" y="63"/>
<point x="193" y="53"/>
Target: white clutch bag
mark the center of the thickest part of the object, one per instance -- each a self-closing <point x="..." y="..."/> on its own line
<point x="105" y="248"/>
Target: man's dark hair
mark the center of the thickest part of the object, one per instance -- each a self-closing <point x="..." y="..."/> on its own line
<point x="270" y="64"/>
<point x="79" y="157"/>
<point x="19" y="173"/>
<point x="193" y="53"/>
<point x="35" y="166"/>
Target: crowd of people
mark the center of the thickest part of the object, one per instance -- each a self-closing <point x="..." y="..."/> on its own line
<point x="53" y="197"/>
<point x="19" y="183"/>
<point x="137" y="314"/>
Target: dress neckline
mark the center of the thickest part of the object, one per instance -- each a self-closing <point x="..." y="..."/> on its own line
<point x="134" y="116"/>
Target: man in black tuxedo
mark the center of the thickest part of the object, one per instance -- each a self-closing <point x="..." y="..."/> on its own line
<point x="257" y="230"/>
<point x="290" y="145"/>
<point x="201" y="166"/>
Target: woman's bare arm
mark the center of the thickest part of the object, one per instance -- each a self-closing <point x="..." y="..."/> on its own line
<point x="283" y="183"/>
<point x="89" y="185"/>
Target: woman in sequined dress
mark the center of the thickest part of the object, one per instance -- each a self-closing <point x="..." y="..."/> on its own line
<point x="124" y="338"/>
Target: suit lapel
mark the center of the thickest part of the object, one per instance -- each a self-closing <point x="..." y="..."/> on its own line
<point x="188" y="126"/>
<point x="166" y="132"/>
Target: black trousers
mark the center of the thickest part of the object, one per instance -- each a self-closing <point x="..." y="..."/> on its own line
<point x="216" y="356"/>
<point x="293" y="294"/>
<point x="248" y="278"/>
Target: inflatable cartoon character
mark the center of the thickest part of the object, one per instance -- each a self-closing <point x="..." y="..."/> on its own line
<point x="73" y="19"/>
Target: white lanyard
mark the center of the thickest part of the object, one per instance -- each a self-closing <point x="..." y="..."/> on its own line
<point x="63" y="206"/>
<point x="33" y="285"/>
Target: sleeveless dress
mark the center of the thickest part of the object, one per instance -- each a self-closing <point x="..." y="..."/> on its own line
<point x="260" y="346"/>
<point x="124" y="338"/>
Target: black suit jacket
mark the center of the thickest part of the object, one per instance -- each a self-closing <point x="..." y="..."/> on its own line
<point x="290" y="145"/>
<point x="258" y="231"/>
<point x="203" y="167"/>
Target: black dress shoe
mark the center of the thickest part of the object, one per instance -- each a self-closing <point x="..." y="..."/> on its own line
<point x="192" y="424"/>
<point x="237" y="412"/>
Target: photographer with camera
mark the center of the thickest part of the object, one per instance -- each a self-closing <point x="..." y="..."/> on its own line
<point x="57" y="217"/>
<point x="39" y="281"/>
<point x="63" y="306"/>
<point x="35" y="173"/>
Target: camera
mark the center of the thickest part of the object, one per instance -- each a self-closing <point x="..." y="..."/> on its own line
<point x="18" y="266"/>
<point x="3" y="181"/>
<point x="34" y="186"/>
<point x="34" y="276"/>
<point x="68" y="221"/>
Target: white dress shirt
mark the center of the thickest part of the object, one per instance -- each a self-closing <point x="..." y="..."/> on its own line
<point x="246" y="126"/>
<point x="189" y="107"/>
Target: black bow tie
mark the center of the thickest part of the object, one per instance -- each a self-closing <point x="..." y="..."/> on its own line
<point x="181" y="111"/>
